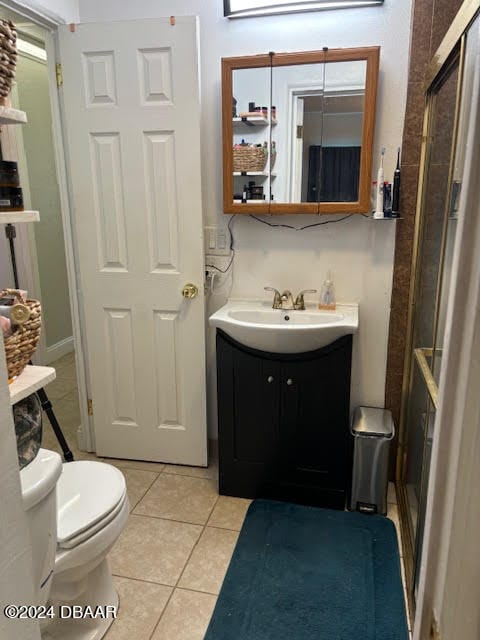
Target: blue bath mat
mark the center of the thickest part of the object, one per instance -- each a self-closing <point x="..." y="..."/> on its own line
<point x="303" y="573"/>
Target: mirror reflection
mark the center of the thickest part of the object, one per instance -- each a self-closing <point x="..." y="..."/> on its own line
<point x="252" y="117"/>
<point x="302" y="141"/>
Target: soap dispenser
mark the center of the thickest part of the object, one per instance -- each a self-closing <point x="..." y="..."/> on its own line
<point x="327" y="295"/>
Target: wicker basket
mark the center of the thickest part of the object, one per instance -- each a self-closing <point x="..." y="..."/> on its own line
<point x="20" y="346"/>
<point x="8" y="58"/>
<point x="246" y="158"/>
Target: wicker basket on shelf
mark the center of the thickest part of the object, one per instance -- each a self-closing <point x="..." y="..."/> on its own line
<point x="8" y="58"/>
<point x="26" y="320"/>
<point x="248" y="158"/>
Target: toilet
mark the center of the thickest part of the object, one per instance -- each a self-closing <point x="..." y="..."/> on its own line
<point x="76" y="512"/>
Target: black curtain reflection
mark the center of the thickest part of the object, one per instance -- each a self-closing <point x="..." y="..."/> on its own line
<point x="333" y="174"/>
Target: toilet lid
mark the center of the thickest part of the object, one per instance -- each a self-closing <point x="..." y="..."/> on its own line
<point x="86" y="492"/>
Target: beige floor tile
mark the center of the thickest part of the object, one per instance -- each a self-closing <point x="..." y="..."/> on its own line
<point x="392" y="513"/>
<point x="141" y="605"/>
<point x="208" y="564"/>
<point x="229" y="513"/>
<point x="60" y="387"/>
<point x="138" y="483"/>
<point x="210" y="472"/>
<point x="157" y="467"/>
<point x="67" y="411"/>
<point x="186" y="617"/>
<point x="65" y="361"/>
<point x="179" y="498"/>
<point x="153" y="549"/>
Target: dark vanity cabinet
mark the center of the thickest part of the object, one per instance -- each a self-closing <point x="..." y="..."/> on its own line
<point x="283" y="423"/>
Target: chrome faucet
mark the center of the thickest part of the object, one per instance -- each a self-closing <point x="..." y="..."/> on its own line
<point x="285" y="300"/>
<point x="299" y="301"/>
<point x="277" y="301"/>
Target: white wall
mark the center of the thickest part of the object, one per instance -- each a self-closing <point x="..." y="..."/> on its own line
<point x="16" y="572"/>
<point x="58" y="10"/>
<point x="359" y="251"/>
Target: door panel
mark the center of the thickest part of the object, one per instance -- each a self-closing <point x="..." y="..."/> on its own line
<point x="131" y="109"/>
<point x="248" y="410"/>
<point x="315" y="429"/>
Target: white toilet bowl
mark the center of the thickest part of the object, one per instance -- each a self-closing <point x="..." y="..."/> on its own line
<point x="92" y="510"/>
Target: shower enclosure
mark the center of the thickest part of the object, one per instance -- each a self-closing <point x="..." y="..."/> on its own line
<point x="448" y="107"/>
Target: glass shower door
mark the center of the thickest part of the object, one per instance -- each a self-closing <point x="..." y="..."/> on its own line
<point x="434" y="254"/>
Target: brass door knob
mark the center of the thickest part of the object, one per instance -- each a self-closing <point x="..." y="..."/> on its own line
<point x="190" y="291"/>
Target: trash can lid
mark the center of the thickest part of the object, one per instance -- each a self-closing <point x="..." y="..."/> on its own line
<point x="373" y="421"/>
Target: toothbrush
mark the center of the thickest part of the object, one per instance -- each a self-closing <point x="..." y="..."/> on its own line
<point x="379" y="206"/>
<point x="396" y="188"/>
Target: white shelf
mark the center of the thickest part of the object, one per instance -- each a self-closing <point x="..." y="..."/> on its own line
<point x="19" y="216"/>
<point x="251" y="202"/>
<point x="390" y="218"/>
<point x="30" y="380"/>
<point x="254" y="173"/>
<point x="254" y="121"/>
<point x="12" y="116"/>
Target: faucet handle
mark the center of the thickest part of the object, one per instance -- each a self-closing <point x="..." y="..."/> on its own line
<point x="277" y="301"/>
<point x="300" y="302"/>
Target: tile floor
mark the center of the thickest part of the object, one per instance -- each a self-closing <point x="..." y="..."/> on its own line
<point x="170" y="561"/>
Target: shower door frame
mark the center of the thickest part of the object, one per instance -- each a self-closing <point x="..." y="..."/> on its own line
<point x="450" y="50"/>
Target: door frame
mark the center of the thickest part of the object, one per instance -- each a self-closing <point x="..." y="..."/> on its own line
<point x="50" y="22"/>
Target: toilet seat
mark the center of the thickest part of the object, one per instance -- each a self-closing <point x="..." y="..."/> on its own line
<point x="90" y="494"/>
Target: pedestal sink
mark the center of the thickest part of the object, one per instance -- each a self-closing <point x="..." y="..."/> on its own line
<point x="255" y="324"/>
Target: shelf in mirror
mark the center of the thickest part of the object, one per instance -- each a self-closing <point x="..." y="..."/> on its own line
<point x="255" y="202"/>
<point x="12" y="116"/>
<point x="253" y="121"/>
<point x="11" y="217"/>
<point x="265" y="174"/>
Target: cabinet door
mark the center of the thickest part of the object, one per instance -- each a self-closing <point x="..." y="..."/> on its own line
<point x="315" y="442"/>
<point x="248" y="418"/>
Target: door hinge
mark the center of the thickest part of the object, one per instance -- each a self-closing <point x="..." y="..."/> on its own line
<point x="90" y="406"/>
<point x="299" y="131"/>
<point x="59" y="74"/>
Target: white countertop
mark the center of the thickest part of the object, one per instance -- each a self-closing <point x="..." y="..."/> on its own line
<point x="30" y="380"/>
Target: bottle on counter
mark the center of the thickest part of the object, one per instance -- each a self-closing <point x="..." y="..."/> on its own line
<point x="327" y="294"/>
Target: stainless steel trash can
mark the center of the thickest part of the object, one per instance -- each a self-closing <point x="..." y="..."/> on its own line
<point x="372" y="430"/>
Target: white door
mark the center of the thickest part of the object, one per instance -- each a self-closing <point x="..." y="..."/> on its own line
<point x="298" y="102"/>
<point x="131" y="109"/>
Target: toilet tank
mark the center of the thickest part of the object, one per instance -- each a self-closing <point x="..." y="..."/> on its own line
<point x="38" y="480"/>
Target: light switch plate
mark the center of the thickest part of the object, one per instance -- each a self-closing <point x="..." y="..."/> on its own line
<point x="217" y="241"/>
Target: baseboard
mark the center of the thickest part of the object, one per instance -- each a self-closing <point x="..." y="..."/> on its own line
<point x="59" y="350"/>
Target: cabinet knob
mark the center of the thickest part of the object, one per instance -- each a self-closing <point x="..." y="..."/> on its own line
<point x="289" y="381"/>
<point x="270" y="379"/>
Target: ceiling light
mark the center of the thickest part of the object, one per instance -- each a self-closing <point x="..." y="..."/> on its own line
<point x="251" y="8"/>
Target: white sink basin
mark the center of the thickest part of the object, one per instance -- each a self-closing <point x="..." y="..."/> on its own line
<point x="255" y="324"/>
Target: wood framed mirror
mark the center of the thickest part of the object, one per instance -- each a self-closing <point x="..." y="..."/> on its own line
<point x="298" y="131"/>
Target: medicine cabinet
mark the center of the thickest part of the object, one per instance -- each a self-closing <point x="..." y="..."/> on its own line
<point x="298" y="131"/>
